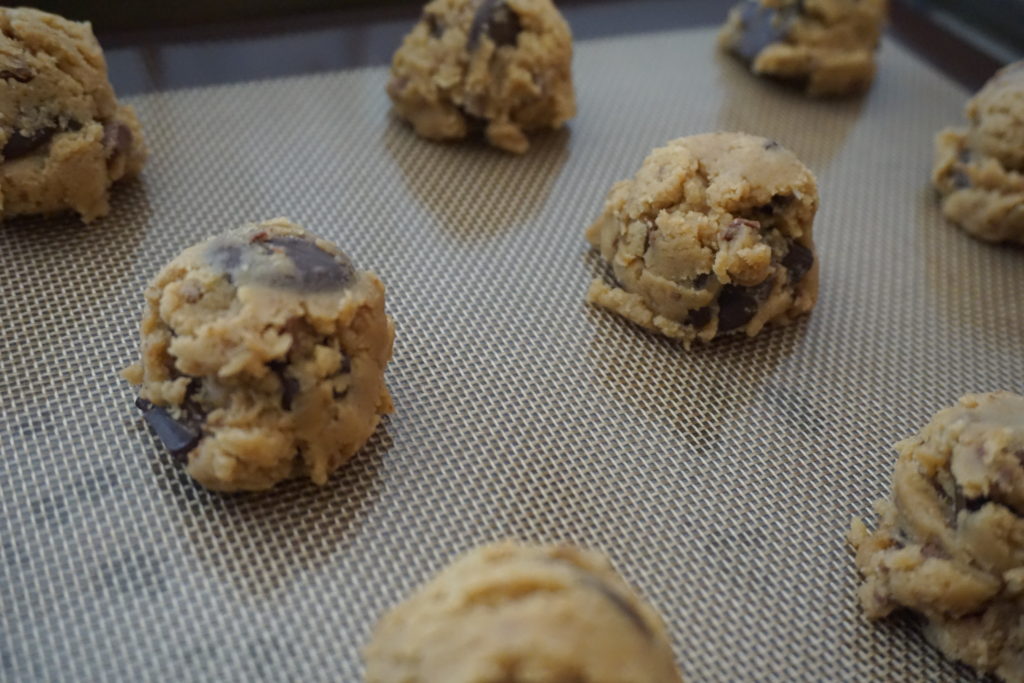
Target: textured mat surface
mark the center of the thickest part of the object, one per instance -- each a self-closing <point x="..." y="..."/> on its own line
<point x="721" y="481"/>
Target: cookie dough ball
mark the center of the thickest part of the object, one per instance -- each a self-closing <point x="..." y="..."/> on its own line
<point x="825" y="46"/>
<point x="500" y="67"/>
<point x="509" y="613"/>
<point x="950" y="542"/>
<point x="64" y="139"/>
<point x="979" y="170"/>
<point x="263" y="354"/>
<point x="711" y="237"/>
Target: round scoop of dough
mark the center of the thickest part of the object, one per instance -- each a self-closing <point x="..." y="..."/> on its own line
<point x="509" y="613"/>
<point x="263" y="355"/>
<point x="824" y="46"/>
<point x="711" y="237"/>
<point x="63" y="137"/>
<point x="950" y="542"/>
<point x="500" y="67"/>
<point x="996" y="116"/>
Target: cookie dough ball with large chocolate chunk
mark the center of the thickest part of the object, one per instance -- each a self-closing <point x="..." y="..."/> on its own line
<point x="979" y="170"/>
<point x="711" y="237"/>
<point x="263" y="354"/>
<point x="825" y="46"/>
<point x="510" y="613"/>
<point x="500" y="67"/>
<point x="950" y="541"/>
<point x="64" y="139"/>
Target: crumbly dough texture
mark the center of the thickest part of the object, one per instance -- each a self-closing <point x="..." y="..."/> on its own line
<point x="826" y="46"/>
<point x="510" y="613"/>
<point x="712" y="236"/>
<point x="64" y="139"/>
<point x="979" y="170"/>
<point x="263" y="355"/>
<point x="500" y="67"/>
<point x="950" y="542"/>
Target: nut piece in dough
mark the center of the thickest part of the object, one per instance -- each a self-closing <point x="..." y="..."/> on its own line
<point x="263" y="355"/>
<point x="979" y="170"/>
<point x="498" y="67"/>
<point x="712" y="236"/>
<point x="827" y="47"/>
<point x="64" y="139"/>
<point x="511" y="613"/>
<point x="950" y="542"/>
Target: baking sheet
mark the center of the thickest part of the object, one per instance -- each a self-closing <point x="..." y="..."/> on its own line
<point x="721" y="481"/>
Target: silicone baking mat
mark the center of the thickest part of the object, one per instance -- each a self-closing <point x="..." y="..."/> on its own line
<point x="721" y="481"/>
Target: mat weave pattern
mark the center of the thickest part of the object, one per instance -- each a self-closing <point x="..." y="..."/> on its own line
<point x="721" y="481"/>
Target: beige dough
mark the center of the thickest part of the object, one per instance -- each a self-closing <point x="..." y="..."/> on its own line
<point x="64" y="140"/>
<point x="499" y="67"/>
<point x="711" y="237"/>
<point x="510" y="613"/>
<point x="263" y="354"/>
<point x="950" y="542"/>
<point x="825" y="46"/>
<point x="979" y="170"/>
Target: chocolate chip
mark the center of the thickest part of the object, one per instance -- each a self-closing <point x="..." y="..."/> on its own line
<point x="621" y="603"/>
<point x="698" y="317"/>
<point x="975" y="504"/>
<point x="289" y="385"/>
<point x="19" y="145"/>
<point x="762" y="26"/>
<point x="798" y="261"/>
<point x="434" y="25"/>
<point x="317" y="270"/>
<point x="771" y="144"/>
<point x="701" y="281"/>
<point x="738" y="305"/>
<point x="474" y="124"/>
<point x="499" y="20"/>
<point x="960" y="180"/>
<point x="177" y="438"/>
<point x="117" y="139"/>
<point x="17" y="72"/>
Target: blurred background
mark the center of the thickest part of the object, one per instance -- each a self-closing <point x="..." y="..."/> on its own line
<point x="996" y="26"/>
<point x="153" y="45"/>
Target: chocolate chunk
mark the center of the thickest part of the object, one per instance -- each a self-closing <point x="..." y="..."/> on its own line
<point x="475" y="125"/>
<point x="499" y="20"/>
<point x="19" y="145"/>
<point x="701" y="281"/>
<point x="798" y="261"/>
<point x="621" y="603"/>
<point x="17" y="72"/>
<point x="289" y="385"/>
<point x="177" y="438"/>
<point x="960" y="180"/>
<point x="975" y="504"/>
<point x="762" y="26"/>
<point x="434" y="24"/>
<point x="317" y="270"/>
<point x="771" y="144"/>
<point x="698" y="317"/>
<point x="738" y="305"/>
<point x="117" y="139"/>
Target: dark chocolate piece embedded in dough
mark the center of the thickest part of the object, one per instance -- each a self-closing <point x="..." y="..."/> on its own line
<point x="500" y="22"/>
<point x="17" y="72"/>
<point x="19" y="145"/>
<point x="177" y="438"/>
<point x="311" y="269"/>
<point x="763" y="26"/>
<point x="798" y="261"/>
<point x="117" y="139"/>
